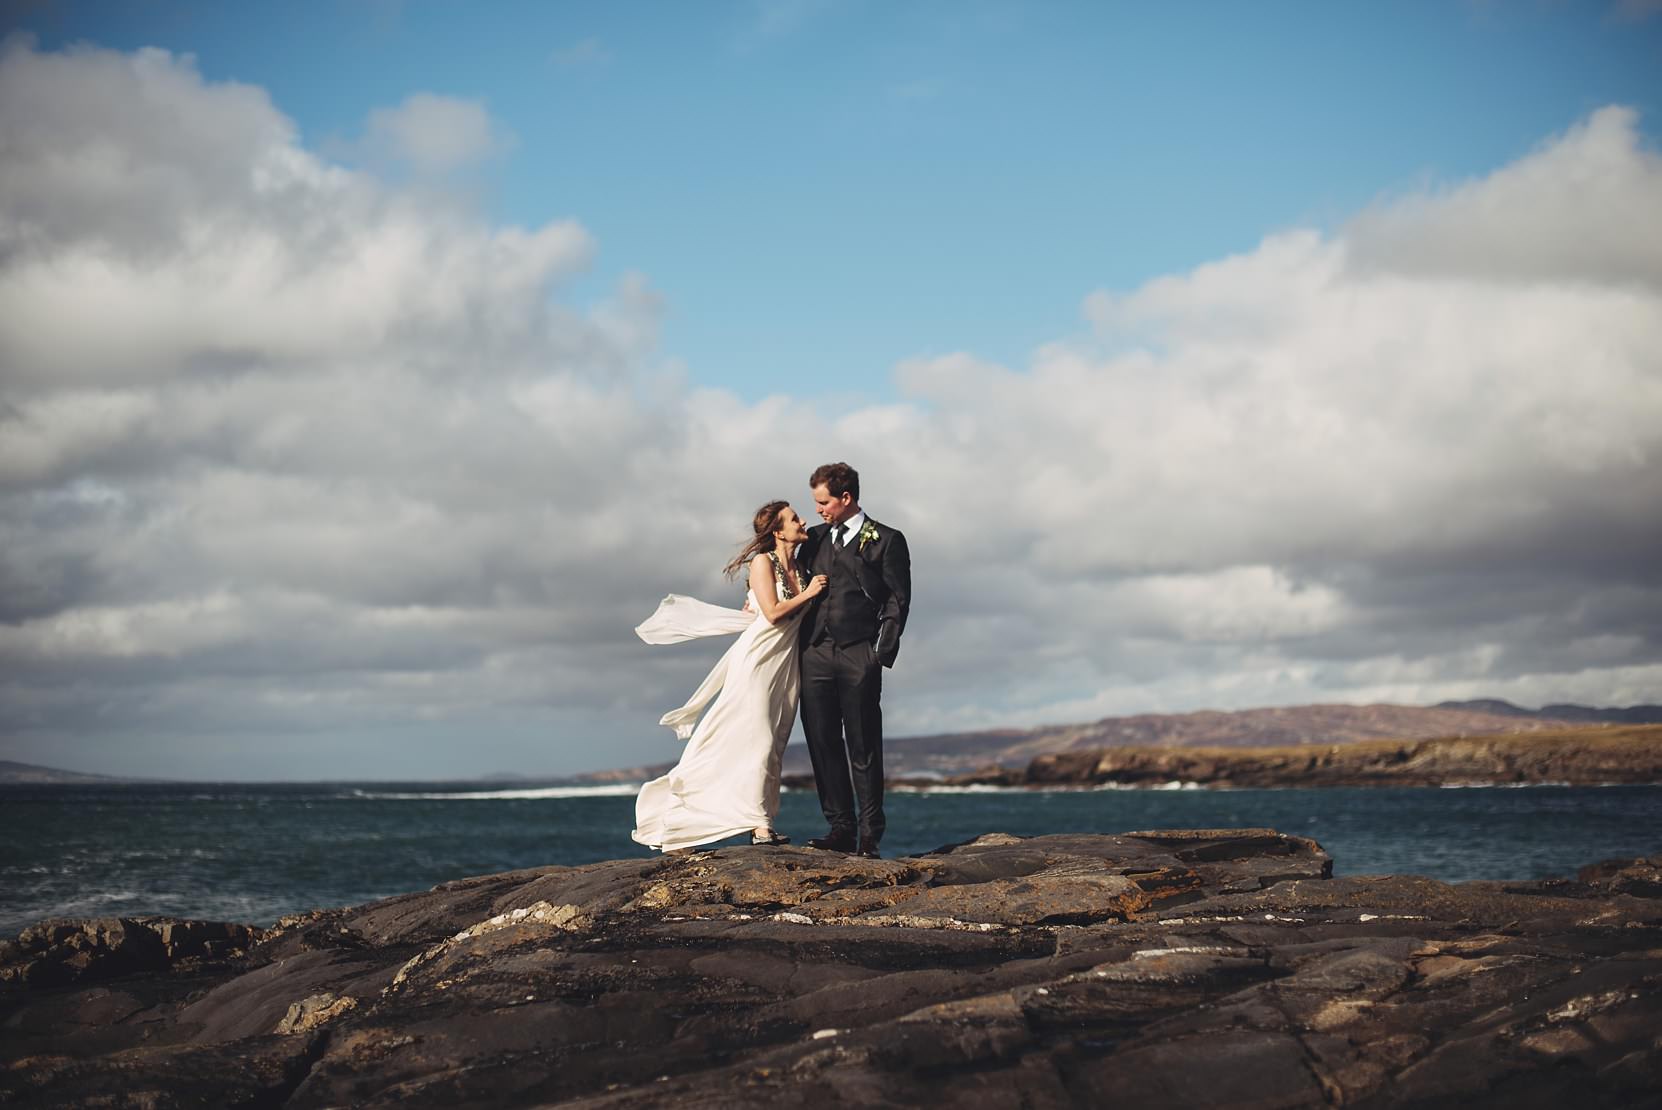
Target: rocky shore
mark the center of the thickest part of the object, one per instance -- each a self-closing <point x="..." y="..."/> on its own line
<point x="1192" y="968"/>
<point x="1598" y="756"/>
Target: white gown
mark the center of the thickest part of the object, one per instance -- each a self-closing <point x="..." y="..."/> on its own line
<point x="727" y="781"/>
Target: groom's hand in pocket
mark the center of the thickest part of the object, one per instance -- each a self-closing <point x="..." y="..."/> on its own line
<point x="888" y="641"/>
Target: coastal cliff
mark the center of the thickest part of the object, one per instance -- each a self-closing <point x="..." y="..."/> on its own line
<point x="1205" y="967"/>
<point x="1598" y="756"/>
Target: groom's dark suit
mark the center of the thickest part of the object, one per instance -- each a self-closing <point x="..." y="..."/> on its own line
<point x="848" y="636"/>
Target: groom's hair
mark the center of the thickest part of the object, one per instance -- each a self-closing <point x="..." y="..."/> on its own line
<point x="838" y="478"/>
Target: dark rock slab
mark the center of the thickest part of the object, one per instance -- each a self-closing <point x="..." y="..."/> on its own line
<point x="1201" y="967"/>
<point x="1641" y="877"/>
<point x="259" y="1001"/>
<point x="251" y="1072"/>
<point x="77" y="950"/>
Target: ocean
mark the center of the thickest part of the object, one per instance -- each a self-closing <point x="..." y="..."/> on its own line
<point x="254" y="852"/>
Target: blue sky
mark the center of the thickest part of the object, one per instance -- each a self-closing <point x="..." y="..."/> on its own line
<point x="369" y="370"/>
<point x="821" y="189"/>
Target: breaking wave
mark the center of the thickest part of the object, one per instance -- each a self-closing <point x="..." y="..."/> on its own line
<point x="609" y="790"/>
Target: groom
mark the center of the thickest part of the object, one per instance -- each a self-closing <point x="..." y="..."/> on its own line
<point x="849" y="635"/>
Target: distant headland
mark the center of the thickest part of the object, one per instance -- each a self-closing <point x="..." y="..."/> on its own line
<point x="1287" y="726"/>
<point x="25" y="773"/>
<point x="1607" y="755"/>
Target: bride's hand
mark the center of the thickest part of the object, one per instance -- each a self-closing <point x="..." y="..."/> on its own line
<point x="816" y="586"/>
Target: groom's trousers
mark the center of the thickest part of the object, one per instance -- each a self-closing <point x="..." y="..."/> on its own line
<point x="842" y="718"/>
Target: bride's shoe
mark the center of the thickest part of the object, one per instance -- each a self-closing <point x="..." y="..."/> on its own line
<point x="771" y="838"/>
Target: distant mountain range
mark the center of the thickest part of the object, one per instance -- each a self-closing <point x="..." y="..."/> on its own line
<point x="1583" y="714"/>
<point x="11" y="772"/>
<point x="955" y="753"/>
<point x="959" y="752"/>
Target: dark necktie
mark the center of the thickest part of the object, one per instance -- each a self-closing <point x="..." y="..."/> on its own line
<point x="840" y="531"/>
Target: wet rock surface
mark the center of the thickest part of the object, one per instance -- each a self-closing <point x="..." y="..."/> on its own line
<point x="1207" y="967"/>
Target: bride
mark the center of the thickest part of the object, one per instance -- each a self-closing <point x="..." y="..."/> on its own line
<point x="727" y="781"/>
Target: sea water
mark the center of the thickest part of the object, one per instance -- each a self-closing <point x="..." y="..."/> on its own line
<point x="254" y="852"/>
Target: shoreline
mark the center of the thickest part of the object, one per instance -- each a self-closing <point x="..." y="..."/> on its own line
<point x="927" y="786"/>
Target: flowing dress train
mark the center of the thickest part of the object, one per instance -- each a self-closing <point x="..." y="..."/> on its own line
<point x="727" y="780"/>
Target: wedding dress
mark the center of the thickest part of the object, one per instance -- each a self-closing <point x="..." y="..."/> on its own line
<point x="727" y="781"/>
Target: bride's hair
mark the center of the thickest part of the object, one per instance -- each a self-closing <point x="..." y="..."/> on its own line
<point x="765" y="523"/>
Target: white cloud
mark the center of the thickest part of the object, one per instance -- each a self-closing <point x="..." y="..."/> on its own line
<point x="1583" y="207"/>
<point x="585" y="52"/>
<point x="435" y="134"/>
<point x="288" y="451"/>
<point x="770" y="19"/>
<point x="1450" y="453"/>
<point x="302" y="395"/>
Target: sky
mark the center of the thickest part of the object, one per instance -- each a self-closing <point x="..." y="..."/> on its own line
<point x="369" y="370"/>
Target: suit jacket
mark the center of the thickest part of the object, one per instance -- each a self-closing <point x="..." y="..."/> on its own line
<point x="870" y="604"/>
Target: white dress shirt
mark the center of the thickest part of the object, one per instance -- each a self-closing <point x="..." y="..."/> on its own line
<point x="853" y="524"/>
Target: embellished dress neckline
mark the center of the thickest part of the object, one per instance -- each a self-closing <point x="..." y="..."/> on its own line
<point x="784" y="578"/>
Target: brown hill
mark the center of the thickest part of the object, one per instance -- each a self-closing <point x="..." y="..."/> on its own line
<point x="1584" y="756"/>
<point x="31" y="774"/>
<point x="956" y="753"/>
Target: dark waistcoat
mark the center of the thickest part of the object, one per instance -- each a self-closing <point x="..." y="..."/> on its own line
<point x="846" y="614"/>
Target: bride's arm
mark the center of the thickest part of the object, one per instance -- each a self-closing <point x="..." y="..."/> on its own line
<point x="761" y="585"/>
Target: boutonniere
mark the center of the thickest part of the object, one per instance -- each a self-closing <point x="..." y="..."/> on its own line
<point x="868" y="532"/>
